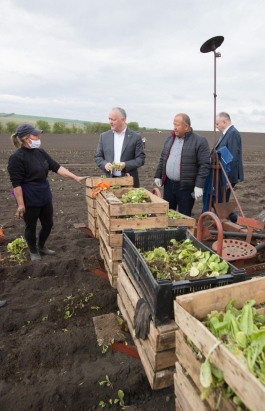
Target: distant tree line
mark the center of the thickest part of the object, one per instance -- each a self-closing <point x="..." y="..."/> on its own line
<point x="65" y="128"/>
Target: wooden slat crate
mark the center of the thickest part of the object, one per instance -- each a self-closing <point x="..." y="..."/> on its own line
<point x="112" y="265"/>
<point x="93" y="220"/>
<point x="112" y="238"/>
<point x="113" y="207"/>
<point x="187" y="394"/>
<point x="157" y="352"/>
<point x="92" y="211"/>
<point x="110" y="211"/>
<point x="116" y="224"/>
<point x="186" y="221"/>
<point x="191" y="365"/>
<point x="92" y="182"/>
<point x="93" y="229"/>
<point x="191" y="308"/>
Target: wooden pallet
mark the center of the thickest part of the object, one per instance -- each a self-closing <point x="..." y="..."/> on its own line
<point x="191" y="308"/>
<point x="157" y="352"/>
<point x="185" y="221"/>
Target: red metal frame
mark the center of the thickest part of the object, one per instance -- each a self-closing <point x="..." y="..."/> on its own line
<point x="220" y="235"/>
<point x="126" y="349"/>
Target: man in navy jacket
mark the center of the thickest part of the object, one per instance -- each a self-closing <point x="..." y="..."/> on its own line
<point x="231" y="139"/>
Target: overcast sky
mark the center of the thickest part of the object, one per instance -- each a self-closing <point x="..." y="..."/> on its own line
<point x="78" y="59"/>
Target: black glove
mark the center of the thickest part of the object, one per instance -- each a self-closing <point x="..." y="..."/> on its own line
<point x="142" y="319"/>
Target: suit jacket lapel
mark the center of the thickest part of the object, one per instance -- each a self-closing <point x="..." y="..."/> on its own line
<point x="111" y="144"/>
<point x="225" y="137"/>
<point x="219" y="140"/>
<point x="126" y="140"/>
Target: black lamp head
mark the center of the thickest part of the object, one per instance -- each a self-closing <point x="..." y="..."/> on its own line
<point x="212" y="44"/>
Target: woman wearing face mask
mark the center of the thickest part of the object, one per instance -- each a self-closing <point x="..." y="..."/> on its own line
<point x="28" y="168"/>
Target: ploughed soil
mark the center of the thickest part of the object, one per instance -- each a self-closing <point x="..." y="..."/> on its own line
<point x="49" y="355"/>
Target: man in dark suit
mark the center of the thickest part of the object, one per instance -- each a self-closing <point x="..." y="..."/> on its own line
<point x="122" y="146"/>
<point x="231" y="139"/>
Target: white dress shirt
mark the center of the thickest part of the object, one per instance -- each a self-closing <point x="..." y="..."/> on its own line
<point x="118" y="142"/>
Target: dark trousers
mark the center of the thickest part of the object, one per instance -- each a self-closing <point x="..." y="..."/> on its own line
<point x="31" y="216"/>
<point x="177" y="198"/>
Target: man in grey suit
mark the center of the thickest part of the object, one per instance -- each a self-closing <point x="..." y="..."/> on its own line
<point x="231" y="139"/>
<point x="122" y="146"/>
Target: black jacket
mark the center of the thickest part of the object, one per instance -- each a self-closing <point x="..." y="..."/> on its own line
<point x="29" y="169"/>
<point x="195" y="160"/>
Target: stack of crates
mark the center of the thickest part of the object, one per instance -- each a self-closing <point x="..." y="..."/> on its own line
<point x="91" y="185"/>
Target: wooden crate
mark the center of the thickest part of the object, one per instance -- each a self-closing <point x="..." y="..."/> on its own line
<point x="109" y="211"/>
<point x="111" y="265"/>
<point x="187" y="394"/>
<point x="186" y="221"/>
<point x="113" y="213"/>
<point x="191" y="365"/>
<point x="157" y="352"/>
<point x="112" y="238"/>
<point x="93" y="220"/>
<point x="92" y="182"/>
<point x="93" y="229"/>
<point x="191" y="308"/>
<point x="91" y="202"/>
<point x="92" y="211"/>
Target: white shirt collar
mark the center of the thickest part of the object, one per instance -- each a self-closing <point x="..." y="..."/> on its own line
<point x="121" y="133"/>
<point x="225" y="131"/>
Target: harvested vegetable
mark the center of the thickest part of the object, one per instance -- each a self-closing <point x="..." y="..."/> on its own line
<point x="139" y="195"/>
<point x="16" y="250"/>
<point x="175" y="215"/>
<point x="115" y="166"/>
<point x="103" y="185"/>
<point x="243" y="333"/>
<point x="182" y="260"/>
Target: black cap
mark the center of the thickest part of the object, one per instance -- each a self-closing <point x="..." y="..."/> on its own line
<point x="24" y="129"/>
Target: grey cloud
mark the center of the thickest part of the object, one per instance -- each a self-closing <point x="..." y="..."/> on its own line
<point x="78" y="59"/>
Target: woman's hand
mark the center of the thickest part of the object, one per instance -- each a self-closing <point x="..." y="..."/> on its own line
<point x="20" y="212"/>
<point x="80" y="179"/>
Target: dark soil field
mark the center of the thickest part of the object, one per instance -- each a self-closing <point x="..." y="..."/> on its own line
<point x="48" y="362"/>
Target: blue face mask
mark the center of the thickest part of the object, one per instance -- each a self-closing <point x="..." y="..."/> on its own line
<point x="35" y="144"/>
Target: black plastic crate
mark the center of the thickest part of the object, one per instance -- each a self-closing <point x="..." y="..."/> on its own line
<point x="160" y="294"/>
